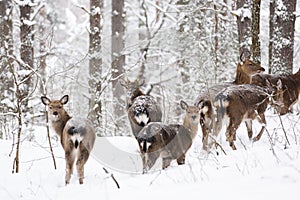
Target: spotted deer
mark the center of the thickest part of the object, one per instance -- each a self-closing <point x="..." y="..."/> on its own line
<point x="141" y="107"/>
<point x="244" y="72"/>
<point x="245" y="102"/>
<point x="169" y="142"/>
<point x="77" y="135"/>
<point x="290" y="86"/>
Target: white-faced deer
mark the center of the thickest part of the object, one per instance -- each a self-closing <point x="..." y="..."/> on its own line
<point x="77" y="135"/>
<point x="245" y="102"/>
<point x="244" y="72"/>
<point x="290" y="86"/>
<point x="141" y="107"/>
<point x="170" y="142"/>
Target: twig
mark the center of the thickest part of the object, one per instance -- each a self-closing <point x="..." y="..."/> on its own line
<point x="155" y="177"/>
<point x="112" y="176"/>
<point x="242" y="143"/>
<point x="84" y="9"/>
<point x="272" y="148"/>
<point x="49" y="140"/>
<point x="287" y="140"/>
<point x="217" y="144"/>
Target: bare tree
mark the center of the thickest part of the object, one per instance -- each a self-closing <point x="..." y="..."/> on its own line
<point x="255" y="30"/>
<point x="118" y="58"/>
<point x="95" y="61"/>
<point x="282" y="38"/>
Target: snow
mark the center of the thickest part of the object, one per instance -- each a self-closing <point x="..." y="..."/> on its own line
<point x="254" y="171"/>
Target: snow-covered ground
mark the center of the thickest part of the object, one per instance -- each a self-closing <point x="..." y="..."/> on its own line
<point x="267" y="169"/>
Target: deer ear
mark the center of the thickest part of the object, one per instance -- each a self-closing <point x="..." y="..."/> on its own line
<point x="64" y="99"/>
<point x="183" y="105"/>
<point x="45" y="100"/>
<point x="245" y="55"/>
<point x="199" y="104"/>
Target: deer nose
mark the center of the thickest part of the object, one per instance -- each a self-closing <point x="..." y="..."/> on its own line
<point x="194" y="117"/>
<point x="55" y="113"/>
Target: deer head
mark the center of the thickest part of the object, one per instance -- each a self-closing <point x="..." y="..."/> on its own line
<point x="246" y="68"/>
<point x="133" y="89"/>
<point x="56" y="107"/>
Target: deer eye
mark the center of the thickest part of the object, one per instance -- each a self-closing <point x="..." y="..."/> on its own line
<point x="59" y="107"/>
<point x="50" y="107"/>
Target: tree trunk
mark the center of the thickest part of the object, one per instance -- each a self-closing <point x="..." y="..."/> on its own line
<point x="255" y="30"/>
<point x="118" y="59"/>
<point x="244" y="24"/>
<point x="6" y="45"/>
<point x="271" y="32"/>
<point x="95" y="61"/>
<point x="42" y="44"/>
<point x="283" y="37"/>
<point x="216" y="45"/>
<point x="26" y="50"/>
<point x="143" y="39"/>
<point x="6" y="49"/>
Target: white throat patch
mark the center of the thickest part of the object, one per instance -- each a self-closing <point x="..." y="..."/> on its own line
<point x="142" y="118"/>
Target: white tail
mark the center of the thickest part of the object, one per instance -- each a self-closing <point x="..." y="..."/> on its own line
<point x="245" y="102"/>
<point x="77" y="135"/>
<point x="168" y="141"/>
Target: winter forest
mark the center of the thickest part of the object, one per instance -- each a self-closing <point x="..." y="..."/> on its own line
<point x="174" y="51"/>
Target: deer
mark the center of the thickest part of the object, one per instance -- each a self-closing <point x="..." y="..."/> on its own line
<point x="245" y="69"/>
<point x="246" y="102"/>
<point x="169" y="142"/>
<point x="142" y="108"/>
<point x="290" y="86"/>
<point x="77" y="135"/>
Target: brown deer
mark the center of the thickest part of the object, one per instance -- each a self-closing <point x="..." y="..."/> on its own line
<point x="77" y="135"/>
<point x="244" y="72"/>
<point x="290" y="86"/>
<point x="168" y="141"/>
<point x="245" y="102"/>
<point x="141" y="107"/>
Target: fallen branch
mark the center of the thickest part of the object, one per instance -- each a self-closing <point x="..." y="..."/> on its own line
<point x="112" y="176"/>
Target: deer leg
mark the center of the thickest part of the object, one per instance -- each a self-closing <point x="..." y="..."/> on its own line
<point x="249" y="128"/>
<point x="204" y="137"/>
<point x="144" y="160"/>
<point x="166" y="162"/>
<point x="262" y="120"/>
<point x="231" y="131"/>
<point x="181" y="159"/>
<point x="83" y="156"/>
<point x="150" y="159"/>
<point x="70" y="158"/>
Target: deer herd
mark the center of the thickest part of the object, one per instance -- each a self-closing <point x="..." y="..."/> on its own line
<point x="243" y="100"/>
